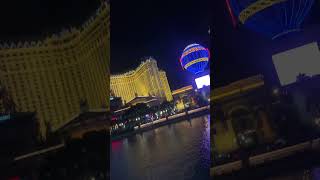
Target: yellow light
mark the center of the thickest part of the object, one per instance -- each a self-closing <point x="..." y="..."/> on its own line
<point x="195" y="61"/>
<point x="256" y="7"/>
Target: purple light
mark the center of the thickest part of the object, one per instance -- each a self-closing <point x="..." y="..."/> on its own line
<point x="203" y="81"/>
<point x="316" y="173"/>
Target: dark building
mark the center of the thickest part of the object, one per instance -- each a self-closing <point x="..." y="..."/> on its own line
<point x="183" y="97"/>
<point x="85" y="122"/>
<point x="115" y="103"/>
<point x="204" y="92"/>
<point x="19" y="133"/>
<point x="306" y="98"/>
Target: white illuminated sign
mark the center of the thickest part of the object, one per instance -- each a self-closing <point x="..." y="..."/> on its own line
<point x="203" y="81"/>
<point x="301" y="60"/>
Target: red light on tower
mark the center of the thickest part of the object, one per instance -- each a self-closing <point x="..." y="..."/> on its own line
<point x="234" y="23"/>
<point x="15" y="178"/>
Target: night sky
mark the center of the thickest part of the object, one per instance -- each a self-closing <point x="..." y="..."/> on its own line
<point x="35" y="18"/>
<point x="161" y="29"/>
<point x="239" y="52"/>
<point x="157" y="28"/>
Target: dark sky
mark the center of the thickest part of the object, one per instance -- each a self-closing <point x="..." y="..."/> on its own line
<point x="157" y="28"/>
<point x="33" y="18"/>
<point x="239" y="52"/>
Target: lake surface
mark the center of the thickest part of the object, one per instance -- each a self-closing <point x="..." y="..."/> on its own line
<point x="173" y="152"/>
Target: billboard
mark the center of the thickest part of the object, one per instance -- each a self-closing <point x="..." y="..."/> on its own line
<point x="302" y="60"/>
<point x="203" y="81"/>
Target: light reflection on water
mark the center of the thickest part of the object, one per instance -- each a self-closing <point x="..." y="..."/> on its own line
<point x="176" y="151"/>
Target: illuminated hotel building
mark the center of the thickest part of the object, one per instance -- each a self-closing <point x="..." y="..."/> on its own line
<point x="146" y="80"/>
<point x="52" y="76"/>
<point x="166" y="87"/>
<point x="183" y="96"/>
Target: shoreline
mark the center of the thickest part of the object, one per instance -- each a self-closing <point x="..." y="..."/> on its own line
<point x="165" y="121"/>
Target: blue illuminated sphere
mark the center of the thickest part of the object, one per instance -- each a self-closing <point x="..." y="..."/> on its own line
<point x="273" y="18"/>
<point x="195" y="58"/>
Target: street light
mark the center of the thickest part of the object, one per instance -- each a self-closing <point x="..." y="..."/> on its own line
<point x="276" y="91"/>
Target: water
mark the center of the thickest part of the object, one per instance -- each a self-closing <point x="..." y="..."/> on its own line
<point x="172" y="152"/>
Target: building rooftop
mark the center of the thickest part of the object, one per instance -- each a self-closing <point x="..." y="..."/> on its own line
<point x="238" y="87"/>
<point x="131" y="72"/>
<point x="83" y="117"/>
<point x="142" y="99"/>
<point x="182" y="90"/>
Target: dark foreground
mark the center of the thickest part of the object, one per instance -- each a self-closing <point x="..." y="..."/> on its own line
<point x="297" y="167"/>
<point x="82" y="159"/>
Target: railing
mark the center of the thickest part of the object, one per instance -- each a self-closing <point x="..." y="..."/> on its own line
<point x="226" y="168"/>
<point x="265" y="157"/>
<point x="39" y="152"/>
<point x="175" y="116"/>
<point x="278" y="154"/>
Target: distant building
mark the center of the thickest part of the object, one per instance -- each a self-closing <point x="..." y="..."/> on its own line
<point x="146" y="80"/>
<point x="115" y="103"/>
<point x="148" y="100"/>
<point x="306" y="98"/>
<point x="53" y="75"/>
<point x="183" y="97"/>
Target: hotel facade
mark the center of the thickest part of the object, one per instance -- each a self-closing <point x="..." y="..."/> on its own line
<point x="146" y="80"/>
<point x="52" y="76"/>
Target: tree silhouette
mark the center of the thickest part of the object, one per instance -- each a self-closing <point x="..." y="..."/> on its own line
<point x="302" y="77"/>
<point x="83" y="105"/>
